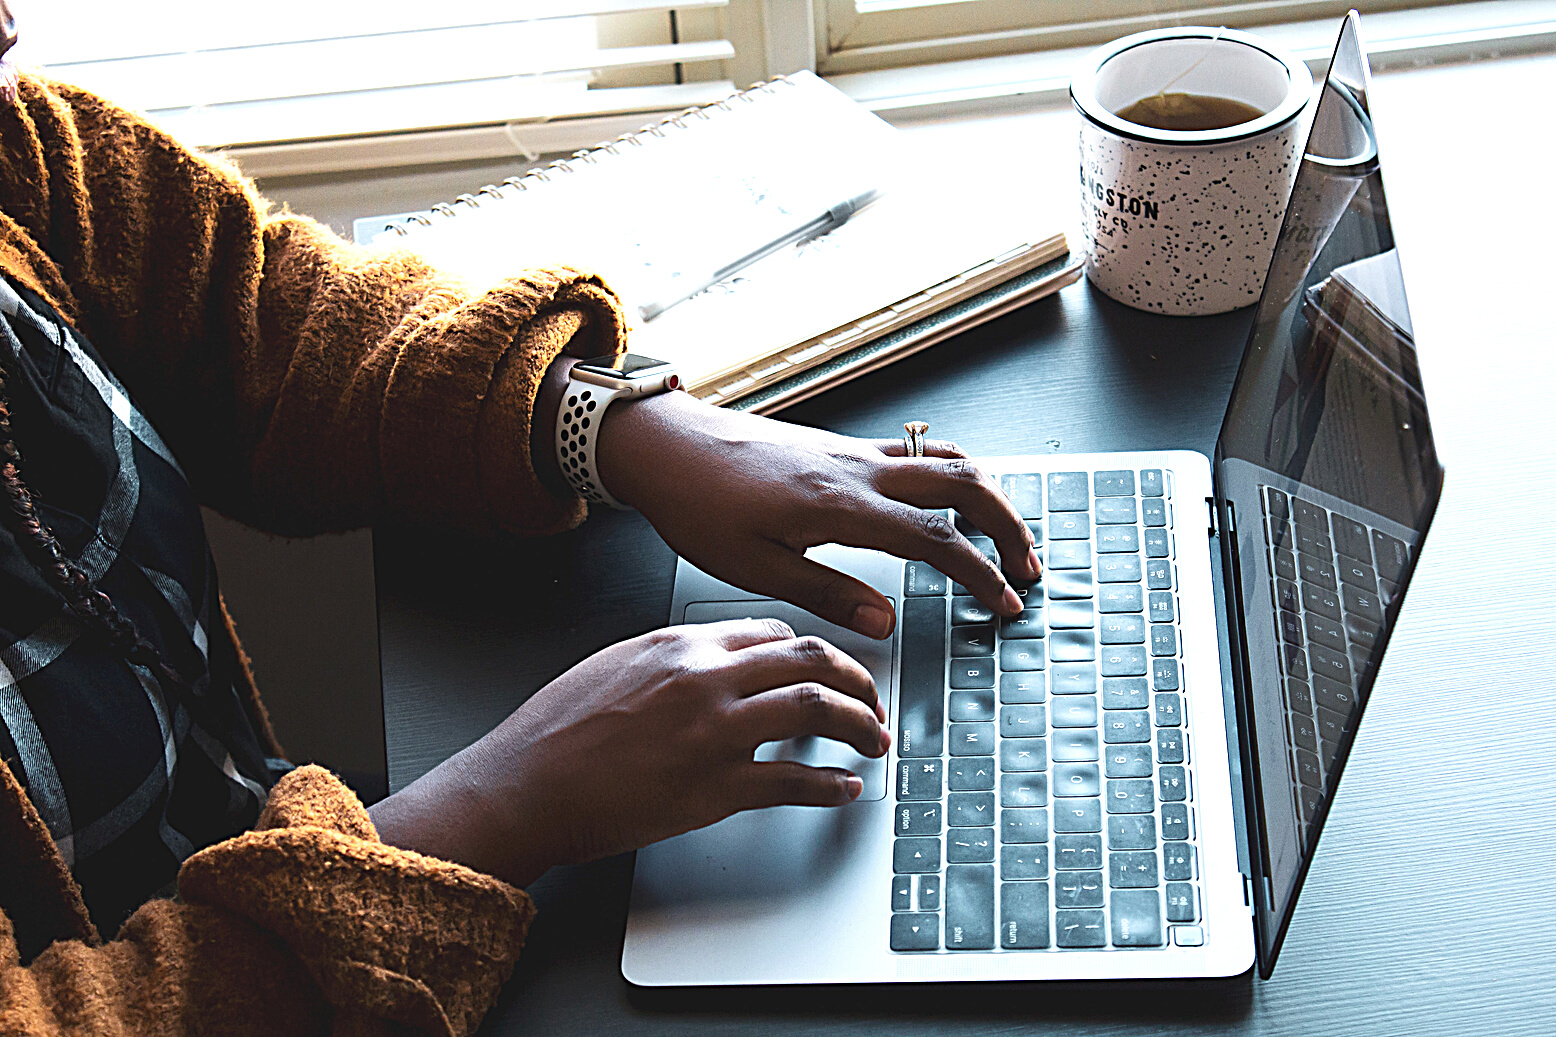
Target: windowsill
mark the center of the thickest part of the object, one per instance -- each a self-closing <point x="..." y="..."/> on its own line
<point x="1394" y="39"/>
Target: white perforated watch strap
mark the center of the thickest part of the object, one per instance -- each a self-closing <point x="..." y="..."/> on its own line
<point x="577" y="421"/>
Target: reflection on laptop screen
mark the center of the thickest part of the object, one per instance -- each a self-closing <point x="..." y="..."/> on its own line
<point x="1327" y="464"/>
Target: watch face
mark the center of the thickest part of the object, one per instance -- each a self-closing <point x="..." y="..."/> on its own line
<point x="621" y="365"/>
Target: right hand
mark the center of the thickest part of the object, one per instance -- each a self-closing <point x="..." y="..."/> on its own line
<point x="644" y="740"/>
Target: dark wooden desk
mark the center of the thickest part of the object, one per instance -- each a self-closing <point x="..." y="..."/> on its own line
<point x="1428" y="910"/>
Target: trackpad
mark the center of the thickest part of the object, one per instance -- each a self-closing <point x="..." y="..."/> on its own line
<point x="873" y="655"/>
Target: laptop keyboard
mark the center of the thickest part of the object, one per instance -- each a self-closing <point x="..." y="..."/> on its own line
<point x="1043" y="791"/>
<point x="1332" y="579"/>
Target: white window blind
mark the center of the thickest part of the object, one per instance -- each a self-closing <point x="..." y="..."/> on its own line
<point x="282" y="71"/>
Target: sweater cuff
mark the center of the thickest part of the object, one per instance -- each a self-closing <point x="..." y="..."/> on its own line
<point x="402" y="937"/>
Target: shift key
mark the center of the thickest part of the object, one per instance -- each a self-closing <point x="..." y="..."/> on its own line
<point x="969" y="907"/>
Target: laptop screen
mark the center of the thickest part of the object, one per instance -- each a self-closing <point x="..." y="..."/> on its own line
<point x="1327" y="473"/>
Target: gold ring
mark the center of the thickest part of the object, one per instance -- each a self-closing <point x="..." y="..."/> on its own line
<point x="913" y="442"/>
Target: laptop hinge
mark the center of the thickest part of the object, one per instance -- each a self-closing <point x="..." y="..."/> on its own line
<point x="1210" y="509"/>
<point x="1248" y="893"/>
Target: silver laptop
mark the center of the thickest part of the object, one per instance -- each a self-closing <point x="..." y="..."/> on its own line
<point x="1129" y="779"/>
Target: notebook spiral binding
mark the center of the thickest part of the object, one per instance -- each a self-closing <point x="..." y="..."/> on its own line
<point x="472" y="199"/>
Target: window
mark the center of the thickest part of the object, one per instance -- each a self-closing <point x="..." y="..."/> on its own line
<point x="224" y="74"/>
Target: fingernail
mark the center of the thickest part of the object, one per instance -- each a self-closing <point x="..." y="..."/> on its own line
<point x="854" y="785"/>
<point x="1035" y="565"/>
<point x="1012" y="601"/>
<point x="872" y="621"/>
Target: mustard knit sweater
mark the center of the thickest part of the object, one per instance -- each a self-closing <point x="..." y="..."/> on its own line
<point x="305" y="385"/>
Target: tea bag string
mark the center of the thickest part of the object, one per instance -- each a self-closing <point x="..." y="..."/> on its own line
<point x="1162" y="93"/>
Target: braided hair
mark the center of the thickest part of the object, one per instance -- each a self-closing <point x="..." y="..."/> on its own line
<point x="19" y="515"/>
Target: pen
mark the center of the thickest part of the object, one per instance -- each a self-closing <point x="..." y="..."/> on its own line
<point x="833" y="218"/>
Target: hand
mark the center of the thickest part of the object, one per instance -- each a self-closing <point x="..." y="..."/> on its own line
<point x="647" y="739"/>
<point x="743" y="497"/>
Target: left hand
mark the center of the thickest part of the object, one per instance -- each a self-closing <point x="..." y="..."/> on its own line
<point x="743" y="497"/>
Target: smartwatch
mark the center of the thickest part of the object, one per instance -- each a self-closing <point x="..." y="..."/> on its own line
<point x="592" y="385"/>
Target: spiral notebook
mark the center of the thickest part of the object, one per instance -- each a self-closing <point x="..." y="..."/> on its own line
<point x="692" y="192"/>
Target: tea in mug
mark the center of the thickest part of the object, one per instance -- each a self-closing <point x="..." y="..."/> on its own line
<point x="1174" y="111"/>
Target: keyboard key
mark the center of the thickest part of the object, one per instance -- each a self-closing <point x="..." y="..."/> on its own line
<point x="1309" y="771"/>
<point x="1311" y="543"/>
<point x="1316" y="570"/>
<point x="1026" y="754"/>
<point x="985" y="546"/>
<point x="1074" y="746"/>
<point x="1294" y="661"/>
<point x="1067" y="491"/>
<point x="1178" y="862"/>
<point x="1116" y="539"/>
<point x="1357" y="574"/>
<point x="969" y="907"/>
<point x="1153" y="511"/>
<point x="1024" y="826"/>
<point x="1162" y="608"/>
<point x="1123" y="661"/>
<point x="1169" y="745"/>
<point x="928" y="892"/>
<point x="1303" y="733"/>
<point x="1068" y="583"/>
<point x="1310" y="515"/>
<point x="1074" y="679"/>
<point x="1131" y="796"/>
<point x="1164" y="674"/>
<point x="1151" y="484"/>
<point x="1321" y="599"/>
<point x="902" y="893"/>
<point x="1124" y="726"/>
<point x="970" y="809"/>
<point x="1330" y="664"/>
<point x="1023" y="915"/>
<point x="1070" y="526"/>
<point x="969" y="845"/>
<point x="1391" y="557"/>
<point x="918" y="779"/>
<point x="1076" y="779"/>
<point x="1023" y="721"/>
<point x="1078" y="889"/>
<point x="1182" y="905"/>
<point x="1035" y="527"/>
<point x="1333" y="695"/>
<point x="1285" y="565"/>
<point x="921" y="687"/>
<point x="1169" y="710"/>
<point x="1158" y="574"/>
<point x="1287" y="596"/>
<point x="1080" y="929"/>
<point x="1325" y="631"/>
<point x="1132" y="832"/>
<point x="966" y="609"/>
<point x="1067" y="646"/>
<point x="972" y="706"/>
<point x="1078" y="815"/>
<point x="1078" y="852"/>
<point x="1070" y="615"/>
<point x="1298" y="696"/>
<point x="1120" y="598"/>
<point x="974" y="739"/>
<point x="918" y="819"/>
<point x="1361" y="603"/>
<point x="1025" y="493"/>
<point x="1112" y="511"/>
<point x="1129" y="761"/>
<point x="1024" y="625"/>
<point x="920" y="580"/>
<point x="1175" y="821"/>
<point x="915" y="932"/>
<point x="1069" y="554"/>
<point x="1023" y="790"/>
<point x="1118" y="569"/>
<point x="964" y="525"/>
<point x="1023" y="687"/>
<point x="1350" y="538"/>
<point x="1332" y="725"/>
<point x="1156" y="543"/>
<point x="1133" y="870"/>
<point x="1164" y="640"/>
<point x="1113" y="484"/>
<point x="1291" y="629"/>
<point x="1137" y="918"/>
<point x="1125" y="693"/>
<point x="1074" y="711"/>
<point x="1026" y="861"/>
<point x="1173" y="783"/>
<point x="911" y="856"/>
<point x="1276" y="503"/>
<point x="971" y="774"/>
<point x="971" y="673"/>
<point x="972" y="642"/>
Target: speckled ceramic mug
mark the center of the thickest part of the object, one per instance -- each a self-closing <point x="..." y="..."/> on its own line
<point x="1185" y="221"/>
